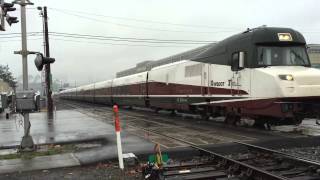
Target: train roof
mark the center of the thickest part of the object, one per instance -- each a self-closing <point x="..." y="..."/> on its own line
<point x="261" y="35"/>
<point x="168" y="65"/>
<point x="148" y="65"/>
<point x="102" y="84"/>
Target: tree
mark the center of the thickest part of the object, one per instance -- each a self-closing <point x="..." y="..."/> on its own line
<point x="7" y="76"/>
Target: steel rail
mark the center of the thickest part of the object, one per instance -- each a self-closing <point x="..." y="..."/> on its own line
<point x="261" y="172"/>
<point x="289" y="156"/>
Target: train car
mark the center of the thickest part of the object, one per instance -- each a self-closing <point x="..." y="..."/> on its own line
<point x="86" y="93"/>
<point x="262" y="73"/>
<point x="177" y="85"/>
<point x="130" y="90"/>
<point x="102" y="92"/>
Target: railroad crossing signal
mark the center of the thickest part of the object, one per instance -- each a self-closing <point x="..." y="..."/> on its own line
<point x="11" y="20"/>
<point x="40" y="61"/>
<point x="5" y="7"/>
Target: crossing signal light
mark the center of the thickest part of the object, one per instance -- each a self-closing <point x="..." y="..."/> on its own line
<point x="11" y="20"/>
<point x="7" y="7"/>
<point x="40" y="61"/>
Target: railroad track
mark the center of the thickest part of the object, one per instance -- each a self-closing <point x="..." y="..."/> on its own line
<point x="257" y="163"/>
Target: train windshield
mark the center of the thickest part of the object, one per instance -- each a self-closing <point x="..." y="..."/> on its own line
<point x="282" y="56"/>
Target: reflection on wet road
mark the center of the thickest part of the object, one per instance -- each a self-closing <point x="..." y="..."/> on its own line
<point x="66" y="125"/>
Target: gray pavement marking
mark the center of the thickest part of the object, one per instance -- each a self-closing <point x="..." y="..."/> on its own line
<point x="38" y="163"/>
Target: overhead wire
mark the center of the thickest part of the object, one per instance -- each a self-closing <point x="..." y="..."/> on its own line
<point x="64" y="37"/>
<point x="125" y="40"/>
<point x="130" y="38"/>
<point x="13" y="35"/>
<point x="145" y="21"/>
<point x="76" y="13"/>
<point x="102" y="43"/>
<point x="137" y="27"/>
<point x="109" y="38"/>
<point x="16" y="40"/>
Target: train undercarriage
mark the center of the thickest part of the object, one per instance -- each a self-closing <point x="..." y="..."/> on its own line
<point x="288" y="111"/>
<point x="264" y="112"/>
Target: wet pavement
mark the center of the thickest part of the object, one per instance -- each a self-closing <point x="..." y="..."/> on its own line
<point x="67" y="126"/>
<point x="38" y="163"/>
<point x="79" y="122"/>
<point x="308" y="127"/>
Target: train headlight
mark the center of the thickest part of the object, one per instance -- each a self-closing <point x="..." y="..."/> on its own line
<point x="287" y="77"/>
<point x="284" y="37"/>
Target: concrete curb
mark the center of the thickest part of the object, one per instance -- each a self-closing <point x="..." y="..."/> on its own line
<point x="97" y="138"/>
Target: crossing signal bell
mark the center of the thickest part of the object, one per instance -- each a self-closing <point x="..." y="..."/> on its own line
<point x="40" y="61"/>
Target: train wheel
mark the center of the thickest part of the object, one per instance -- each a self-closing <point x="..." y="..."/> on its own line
<point x="232" y="119"/>
<point x="173" y="112"/>
<point x="297" y="119"/>
<point x="260" y="123"/>
<point x="292" y="121"/>
<point x="156" y="110"/>
<point x="205" y="116"/>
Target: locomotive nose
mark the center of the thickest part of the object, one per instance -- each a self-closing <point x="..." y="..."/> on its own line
<point x="303" y="84"/>
<point x="308" y="79"/>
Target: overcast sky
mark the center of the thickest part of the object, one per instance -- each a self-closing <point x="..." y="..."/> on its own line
<point x="84" y="61"/>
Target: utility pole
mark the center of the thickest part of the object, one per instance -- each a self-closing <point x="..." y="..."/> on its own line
<point x="27" y="141"/>
<point x="47" y="54"/>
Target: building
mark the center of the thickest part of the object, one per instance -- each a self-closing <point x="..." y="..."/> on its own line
<point x="314" y="53"/>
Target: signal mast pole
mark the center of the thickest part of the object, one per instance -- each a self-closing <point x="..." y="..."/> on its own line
<point x="27" y="141"/>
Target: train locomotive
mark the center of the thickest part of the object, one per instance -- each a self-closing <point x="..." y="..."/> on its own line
<point x="262" y="73"/>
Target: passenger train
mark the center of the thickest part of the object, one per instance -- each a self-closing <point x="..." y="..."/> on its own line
<point x="262" y="73"/>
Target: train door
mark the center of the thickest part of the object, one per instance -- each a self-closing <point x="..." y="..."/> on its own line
<point x="210" y="77"/>
<point x="205" y="80"/>
<point x="240" y="82"/>
<point x="146" y="95"/>
<point x="235" y="83"/>
<point x="143" y="92"/>
<point x="219" y="80"/>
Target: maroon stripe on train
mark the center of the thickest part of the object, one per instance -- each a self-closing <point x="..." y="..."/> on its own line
<point x="159" y="88"/>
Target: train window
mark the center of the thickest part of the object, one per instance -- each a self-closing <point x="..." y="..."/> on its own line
<point x="282" y="56"/>
<point x="193" y="70"/>
<point x="237" y="61"/>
